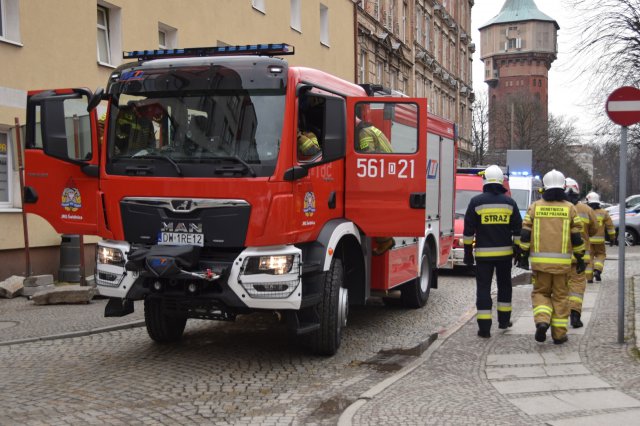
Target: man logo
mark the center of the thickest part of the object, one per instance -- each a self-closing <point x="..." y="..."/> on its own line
<point x="181" y="205"/>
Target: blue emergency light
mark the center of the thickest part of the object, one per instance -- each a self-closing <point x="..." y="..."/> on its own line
<point x="190" y="52"/>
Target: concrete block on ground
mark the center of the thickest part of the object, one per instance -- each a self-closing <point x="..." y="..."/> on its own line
<point x="38" y="280"/>
<point x="30" y="291"/>
<point x="11" y="287"/>
<point x="68" y="294"/>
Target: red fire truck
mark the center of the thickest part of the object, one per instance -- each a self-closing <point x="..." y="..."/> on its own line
<point x="208" y="209"/>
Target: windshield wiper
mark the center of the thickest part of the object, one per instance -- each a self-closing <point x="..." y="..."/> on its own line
<point x="161" y="157"/>
<point x="230" y="169"/>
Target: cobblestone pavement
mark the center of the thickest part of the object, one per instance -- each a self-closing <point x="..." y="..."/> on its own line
<point x="511" y="379"/>
<point x="247" y="372"/>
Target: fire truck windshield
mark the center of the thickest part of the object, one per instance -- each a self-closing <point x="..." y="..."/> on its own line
<point x="226" y="131"/>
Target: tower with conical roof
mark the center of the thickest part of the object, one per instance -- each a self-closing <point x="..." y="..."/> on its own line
<point x="517" y="48"/>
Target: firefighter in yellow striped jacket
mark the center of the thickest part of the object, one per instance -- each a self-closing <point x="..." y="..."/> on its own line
<point x="606" y="232"/>
<point x="578" y="282"/>
<point x="550" y="237"/>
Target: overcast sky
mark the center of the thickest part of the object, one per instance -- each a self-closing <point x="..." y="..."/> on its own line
<point x="567" y="93"/>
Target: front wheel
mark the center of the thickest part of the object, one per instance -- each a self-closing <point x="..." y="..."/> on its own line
<point x="332" y="310"/>
<point x="161" y="327"/>
<point x="416" y="293"/>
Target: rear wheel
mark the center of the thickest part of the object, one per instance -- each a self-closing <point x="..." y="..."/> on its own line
<point x="416" y="293"/>
<point x="161" y="327"/>
<point x="333" y="310"/>
<point x="630" y="237"/>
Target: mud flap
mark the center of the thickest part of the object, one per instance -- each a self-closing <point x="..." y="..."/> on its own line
<point x="118" y="307"/>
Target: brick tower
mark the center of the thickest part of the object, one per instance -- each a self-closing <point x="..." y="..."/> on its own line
<point x="517" y="47"/>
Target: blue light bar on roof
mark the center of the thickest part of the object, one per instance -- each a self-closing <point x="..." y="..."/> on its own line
<point x="191" y="52"/>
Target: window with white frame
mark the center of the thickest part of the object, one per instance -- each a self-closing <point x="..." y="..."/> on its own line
<point x="9" y="21"/>
<point x="259" y="5"/>
<point x="379" y="69"/>
<point x="296" y="18"/>
<point x="5" y="170"/>
<point x="167" y="36"/>
<point x="363" y="66"/>
<point x="324" y="24"/>
<point x="109" y="40"/>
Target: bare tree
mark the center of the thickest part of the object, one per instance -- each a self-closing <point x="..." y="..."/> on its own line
<point x="607" y="52"/>
<point x="480" y="128"/>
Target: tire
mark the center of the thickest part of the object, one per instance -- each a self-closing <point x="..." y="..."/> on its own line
<point x="416" y="293"/>
<point x="161" y="327"/>
<point x="332" y="310"/>
<point x="630" y="237"/>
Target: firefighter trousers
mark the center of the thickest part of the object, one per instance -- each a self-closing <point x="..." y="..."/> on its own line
<point x="577" y="287"/>
<point x="598" y="255"/>
<point x="550" y="301"/>
<point x="484" y="276"/>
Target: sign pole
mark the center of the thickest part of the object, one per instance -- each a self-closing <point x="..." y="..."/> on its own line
<point x="622" y="240"/>
<point x="25" y="228"/>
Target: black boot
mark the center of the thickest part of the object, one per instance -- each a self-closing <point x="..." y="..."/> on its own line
<point x="596" y="275"/>
<point x="505" y="325"/>
<point x="485" y="334"/>
<point x="575" y="319"/>
<point x="541" y="331"/>
<point x="561" y="340"/>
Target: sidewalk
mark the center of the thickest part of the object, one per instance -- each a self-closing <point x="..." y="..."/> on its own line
<point x="511" y="379"/>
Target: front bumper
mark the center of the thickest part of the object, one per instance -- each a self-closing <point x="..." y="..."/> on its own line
<point x="233" y="288"/>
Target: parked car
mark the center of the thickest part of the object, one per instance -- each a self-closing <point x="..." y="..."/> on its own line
<point x="630" y="202"/>
<point x="632" y="225"/>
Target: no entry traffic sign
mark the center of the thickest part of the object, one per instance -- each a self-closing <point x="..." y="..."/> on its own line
<point x="623" y="106"/>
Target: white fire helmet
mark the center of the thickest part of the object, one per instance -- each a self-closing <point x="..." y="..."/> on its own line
<point x="571" y="186"/>
<point x="492" y="174"/>
<point x="553" y="179"/>
<point x="593" y="197"/>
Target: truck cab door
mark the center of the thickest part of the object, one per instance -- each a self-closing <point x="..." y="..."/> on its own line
<point x="62" y="160"/>
<point x="386" y="181"/>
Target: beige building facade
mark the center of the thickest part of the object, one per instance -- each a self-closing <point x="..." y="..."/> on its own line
<point x="78" y="43"/>
<point x="421" y="48"/>
<point x="417" y="47"/>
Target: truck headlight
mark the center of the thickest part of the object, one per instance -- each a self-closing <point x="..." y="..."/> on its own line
<point x="110" y="256"/>
<point x="271" y="265"/>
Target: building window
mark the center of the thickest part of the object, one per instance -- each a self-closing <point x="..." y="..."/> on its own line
<point x="379" y="67"/>
<point x="324" y="24"/>
<point x="167" y="36"/>
<point x="5" y="171"/>
<point x="296" y="20"/>
<point x="108" y="36"/>
<point x="363" y="66"/>
<point x="9" y="21"/>
<point x="373" y="8"/>
<point x="259" y="5"/>
<point x="427" y="31"/>
<point x="404" y="22"/>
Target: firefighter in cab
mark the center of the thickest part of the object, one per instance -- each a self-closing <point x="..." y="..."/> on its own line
<point x="494" y="220"/>
<point x="550" y="240"/>
<point x="578" y="282"/>
<point x="606" y="232"/>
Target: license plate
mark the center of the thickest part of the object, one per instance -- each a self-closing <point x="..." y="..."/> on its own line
<point x="180" y="239"/>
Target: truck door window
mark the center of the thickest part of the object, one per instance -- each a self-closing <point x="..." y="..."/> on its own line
<point x="311" y="128"/>
<point x="386" y="128"/>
